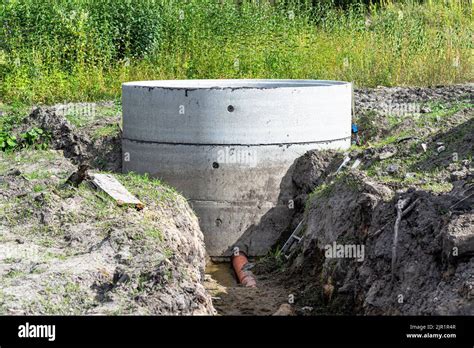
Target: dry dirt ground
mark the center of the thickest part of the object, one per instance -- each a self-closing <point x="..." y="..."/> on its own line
<point x="230" y="298"/>
<point x="68" y="250"/>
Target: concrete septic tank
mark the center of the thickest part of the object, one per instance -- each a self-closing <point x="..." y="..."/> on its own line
<point x="229" y="145"/>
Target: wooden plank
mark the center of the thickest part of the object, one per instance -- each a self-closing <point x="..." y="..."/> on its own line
<point x="109" y="184"/>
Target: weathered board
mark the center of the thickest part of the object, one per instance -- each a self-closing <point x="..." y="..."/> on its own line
<point x="116" y="190"/>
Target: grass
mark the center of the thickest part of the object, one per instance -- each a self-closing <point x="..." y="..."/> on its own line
<point x="62" y="299"/>
<point x="38" y="188"/>
<point x="106" y="131"/>
<point x="37" y="175"/>
<point x="440" y="112"/>
<point x="71" y="50"/>
<point x="149" y="189"/>
<point x="9" y="260"/>
<point x="441" y="117"/>
<point x="84" y="114"/>
<point x="14" y="274"/>
<point x="274" y="259"/>
<point x="154" y="233"/>
<point x="9" y="160"/>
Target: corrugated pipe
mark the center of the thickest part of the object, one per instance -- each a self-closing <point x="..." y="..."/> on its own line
<point x="245" y="276"/>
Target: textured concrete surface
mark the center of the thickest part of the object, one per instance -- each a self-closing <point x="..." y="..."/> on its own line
<point x="238" y="116"/>
<point x="228" y="197"/>
<point x="228" y="146"/>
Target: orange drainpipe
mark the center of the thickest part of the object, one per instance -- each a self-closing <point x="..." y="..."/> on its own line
<point x="246" y="277"/>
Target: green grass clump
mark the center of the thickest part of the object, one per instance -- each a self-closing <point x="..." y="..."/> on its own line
<point x="106" y="131"/>
<point x="57" y="50"/>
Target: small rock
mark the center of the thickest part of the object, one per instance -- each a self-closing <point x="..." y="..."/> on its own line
<point x="40" y="198"/>
<point x="468" y="290"/>
<point x="410" y="175"/>
<point x="46" y="218"/>
<point x="356" y="164"/>
<point x="284" y="310"/>
<point x="328" y="290"/>
<point x="19" y="241"/>
<point x="120" y="277"/>
<point x="458" y="237"/>
<point x="124" y="257"/>
<point x="14" y="172"/>
<point x="355" y="153"/>
<point x="69" y="236"/>
<point x="386" y="155"/>
<point x="424" y="147"/>
<point x="393" y="168"/>
<point x="452" y="167"/>
<point x="388" y="152"/>
<point x="459" y="175"/>
<point x="425" y="110"/>
<point x="167" y="300"/>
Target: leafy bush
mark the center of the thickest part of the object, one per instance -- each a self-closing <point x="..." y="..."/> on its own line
<point x="7" y="141"/>
<point x="34" y="138"/>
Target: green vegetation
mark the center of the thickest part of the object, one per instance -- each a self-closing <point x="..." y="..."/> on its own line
<point x="14" y="273"/>
<point x="149" y="189"/>
<point x="84" y="114"/>
<point x="7" y="141"/>
<point x="57" y="50"/>
<point x="34" y="138"/>
<point x="273" y="260"/>
<point x="106" y="131"/>
<point x="440" y="124"/>
<point x="322" y="190"/>
<point x="62" y="299"/>
<point x="154" y="233"/>
<point x="441" y="112"/>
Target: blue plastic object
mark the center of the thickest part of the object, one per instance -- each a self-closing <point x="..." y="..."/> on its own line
<point x="355" y="129"/>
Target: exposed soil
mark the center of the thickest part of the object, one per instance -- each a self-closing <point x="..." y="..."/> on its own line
<point x="377" y="108"/>
<point x="66" y="250"/>
<point x="404" y="156"/>
<point x="230" y="298"/>
<point x="81" y="144"/>
<point x="433" y="272"/>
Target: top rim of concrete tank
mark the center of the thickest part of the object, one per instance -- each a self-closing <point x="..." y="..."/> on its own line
<point x="232" y="83"/>
<point x="236" y="112"/>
